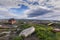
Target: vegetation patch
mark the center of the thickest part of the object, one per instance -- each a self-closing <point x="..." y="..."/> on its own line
<point x="43" y="32"/>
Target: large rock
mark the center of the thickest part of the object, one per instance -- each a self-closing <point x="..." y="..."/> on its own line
<point x="27" y="32"/>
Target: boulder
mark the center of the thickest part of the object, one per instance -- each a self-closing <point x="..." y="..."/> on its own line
<point x="27" y="32"/>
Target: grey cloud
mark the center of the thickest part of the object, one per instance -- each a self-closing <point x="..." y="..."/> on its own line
<point x="38" y="12"/>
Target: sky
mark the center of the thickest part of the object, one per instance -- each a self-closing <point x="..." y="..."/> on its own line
<point x="30" y="9"/>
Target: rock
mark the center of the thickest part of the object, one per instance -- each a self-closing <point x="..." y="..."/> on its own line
<point x="0" y="25"/>
<point x="27" y="32"/>
<point x="56" y="30"/>
<point x="4" y="35"/>
<point x="15" y="26"/>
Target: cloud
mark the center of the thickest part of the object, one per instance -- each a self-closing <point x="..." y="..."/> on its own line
<point x="42" y="10"/>
<point x="43" y="13"/>
<point x="29" y="3"/>
<point x="2" y="17"/>
<point x="15" y="3"/>
<point x="55" y="15"/>
<point x="3" y="9"/>
<point x="9" y="3"/>
<point x="38" y="12"/>
<point x="6" y="14"/>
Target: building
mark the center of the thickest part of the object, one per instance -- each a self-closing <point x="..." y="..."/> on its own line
<point x="12" y="21"/>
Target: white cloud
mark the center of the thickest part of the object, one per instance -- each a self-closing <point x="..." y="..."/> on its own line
<point x="7" y="14"/>
<point x="14" y="3"/>
<point x="5" y="5"/>
<point x="3" y="9"/>
<point x="10" y="3"/>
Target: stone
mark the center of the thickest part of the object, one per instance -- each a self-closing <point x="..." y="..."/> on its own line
<point x="56" y="30"/>
<point x="27" y="32"/>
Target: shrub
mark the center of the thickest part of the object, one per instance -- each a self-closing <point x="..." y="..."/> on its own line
<point x="45" y="33"/>
<point x="17" y="38"/>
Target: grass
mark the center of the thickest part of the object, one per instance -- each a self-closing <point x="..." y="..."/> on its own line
<point x="58" y="35"/>
<point x="45" y="33"/>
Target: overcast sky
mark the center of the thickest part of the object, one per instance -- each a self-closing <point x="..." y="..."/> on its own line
<point x="30" y="9"/>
